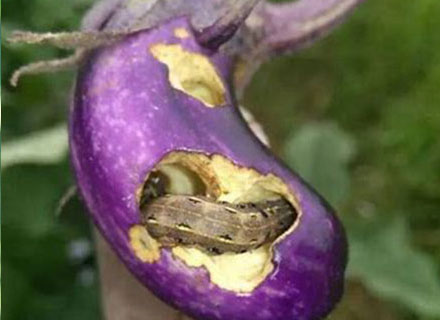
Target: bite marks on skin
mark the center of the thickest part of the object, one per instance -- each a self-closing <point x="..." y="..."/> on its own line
<point x="240" y="272"/>
<point x="144" y="246"/>
<point x="191" y="73"/>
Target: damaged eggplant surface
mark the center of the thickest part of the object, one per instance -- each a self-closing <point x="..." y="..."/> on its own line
<point x="158" y="103"/>
<point x="191" y="201"/>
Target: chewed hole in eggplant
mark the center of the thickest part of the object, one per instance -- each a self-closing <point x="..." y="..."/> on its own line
<point x="200" y="178"/>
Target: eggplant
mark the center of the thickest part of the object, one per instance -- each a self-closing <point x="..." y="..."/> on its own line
<point x="156" y="95"/>
<point x="158" y="101"/>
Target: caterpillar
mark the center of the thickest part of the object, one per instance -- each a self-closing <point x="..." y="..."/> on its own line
<point x="210" y="225"/>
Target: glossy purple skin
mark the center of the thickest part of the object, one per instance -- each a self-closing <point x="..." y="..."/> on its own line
<point x="126" y="117"/>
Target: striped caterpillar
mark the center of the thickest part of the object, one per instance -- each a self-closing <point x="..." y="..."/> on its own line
<point x="214" y="226"/>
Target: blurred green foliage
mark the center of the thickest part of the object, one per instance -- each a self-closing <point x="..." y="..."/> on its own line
<point x="321" y="153"/>
<point x="358" y="115"/>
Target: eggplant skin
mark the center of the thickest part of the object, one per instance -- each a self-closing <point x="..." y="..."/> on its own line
<point x="128" y="115"/>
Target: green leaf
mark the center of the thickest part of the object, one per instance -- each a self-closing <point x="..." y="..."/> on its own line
<point x="387" y="264"/>
<point x="17" y="289"/>
<point x="31" y="194"/>
<point x="320" y="152"/>
<point x="48" y="146"/>
<point x="410" y="135"/>
<point x="40" y="277"/>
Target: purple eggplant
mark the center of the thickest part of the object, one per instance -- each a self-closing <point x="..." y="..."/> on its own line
<point x="157" y="93"/>
<point x="158" y="101"/>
